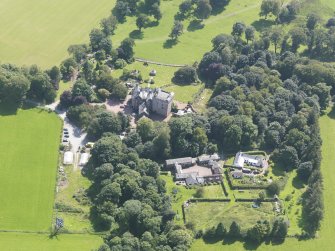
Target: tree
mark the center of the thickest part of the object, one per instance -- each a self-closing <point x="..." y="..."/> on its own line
<point x="156" y="12"/>
<point x="312" y="21"/>
<point x="145" y="129"/>
<point x="304" y="170"/>
<point x="220" y="231"/>
<point x="258" y="232"/>
<point x="273" y="188"/>
<point x="185" y="75"/>
<point x="126" y="49"/>
<point x="234" y="230"/>
<point x="270" y="7"/>
<point x="66" y="99"/>
<point x="68" y="68"/>
<point x="42" y="89"/>
<point x="111" y="192"/>
<point x="161" y="144"/>
<point x="298" y="37"/>
<point x="103" y="172"/>
<point x="81" y="88"/>
<point x="185" y="7"/>
<point x="13" y="87"/>
<point x="96" y="36"/>
<point x="203" y="10"/>
<point x="121" y="10"/>
<point x="287" y="157"/>
<point x="279" y="229"/>
<point x="55" y="76"/>
<point x="120" y="91"/>
<point x="109" y="25"/>
<point x="276" y="37"/>
<point x="238" y="29"/>
<point x="250" y="33"/>
<point x="107" y="150"/>
<point x="142" y="21"/>
<point x="78" y="51"/>
<point x="177" y="30"/>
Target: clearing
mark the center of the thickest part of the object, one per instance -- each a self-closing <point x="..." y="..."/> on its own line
<point x="28" y="161"/>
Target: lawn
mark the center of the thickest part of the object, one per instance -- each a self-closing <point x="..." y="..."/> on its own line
<point x="209" y="214"/>
<point x="163" y="79"/>
<point x="151" y="44"/>
<point x="41" y="242"/>
<point x="326" y="240"/>
<point x="39" y="31"/>
<point x="28" y="161"/>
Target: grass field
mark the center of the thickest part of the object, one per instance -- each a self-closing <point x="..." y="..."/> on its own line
<point x="28" y="161"/>
<point x="40" y="31"/>
<point x="193" y="44"/>
<point x="326" y="240"/>
<point x="209" y="214"/>
<point x="41" y="242"/>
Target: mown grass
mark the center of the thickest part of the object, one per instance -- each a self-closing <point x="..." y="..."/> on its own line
<point x="151" y="44"/>
<point x="325" y="239"/>
<point x="39" y="32"/>
<point x="42" y="242"/>
<point x="29" y="143"/>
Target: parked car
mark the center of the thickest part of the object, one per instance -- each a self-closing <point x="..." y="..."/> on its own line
<point x="65" y="140"/>
<point x="65" y="129"/>
<point x="66" y="132"/>
<point x="121" y="106"/>
<point x="66" y="136"/>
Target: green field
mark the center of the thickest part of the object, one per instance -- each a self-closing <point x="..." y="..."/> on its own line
<point x="40" y="242"/>
<point x="28" y="161"/>
<point x="208" y="214"/>
<point x="193" y="44"/>
<point x="326" y="240"/>
<point x="40" y="31"/>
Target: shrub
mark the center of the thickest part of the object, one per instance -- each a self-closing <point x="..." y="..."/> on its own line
<point x="120" y="63"/>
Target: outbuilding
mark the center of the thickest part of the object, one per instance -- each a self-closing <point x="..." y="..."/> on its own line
<point x="68" y="158"/>
<point x="84" y="157"/>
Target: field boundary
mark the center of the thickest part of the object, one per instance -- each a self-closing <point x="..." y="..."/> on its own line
<point x="159" y="63"/>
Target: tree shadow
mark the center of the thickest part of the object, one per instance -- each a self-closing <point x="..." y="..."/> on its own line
<point x="250" y="245"/>
<point x="7" y="110"/>
<point x="195" y="25"/>
<point x="136" y="34"/>
<point x="263" y="24"/>
<point x="153" y="24"/>
<point x="169" y="43"/>
<point x="331" y="114"/>
<point x="179" y="17"/>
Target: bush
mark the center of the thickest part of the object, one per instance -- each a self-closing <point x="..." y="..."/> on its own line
<point x="120" y="63"/>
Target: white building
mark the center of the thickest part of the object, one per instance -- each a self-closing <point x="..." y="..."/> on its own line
<point x="68" y="158"/>
<point x="251" y="160"/>
<point x="84" y="157"/>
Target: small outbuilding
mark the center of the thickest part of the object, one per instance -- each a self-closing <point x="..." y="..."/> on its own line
<point x="84" y="157"/>
<point x="68" y="158"/>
